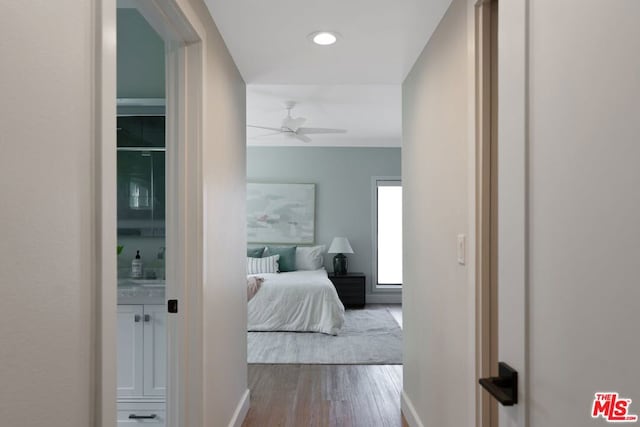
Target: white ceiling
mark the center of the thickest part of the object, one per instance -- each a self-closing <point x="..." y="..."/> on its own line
<point x="371" y="114"/>
<point x="354" y="84"/>
<point x="380" y="39"/>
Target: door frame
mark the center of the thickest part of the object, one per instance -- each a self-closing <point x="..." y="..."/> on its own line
<point x="512" y="203"/>
<point x="178" y="25"/>
<point x="486" y="19"/>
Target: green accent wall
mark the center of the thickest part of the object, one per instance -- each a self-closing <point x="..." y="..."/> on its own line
<point x="343" y="189"/>
<point x="140" y="57"/>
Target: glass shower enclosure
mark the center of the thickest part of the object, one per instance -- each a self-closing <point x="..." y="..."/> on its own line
<point x="141" y="176"/>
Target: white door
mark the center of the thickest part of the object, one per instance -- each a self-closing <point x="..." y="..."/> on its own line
<point x="130" y="350"/>
<point x="155" y="350"/>
<point x="512" y="202"/>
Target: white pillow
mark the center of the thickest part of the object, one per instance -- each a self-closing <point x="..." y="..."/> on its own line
<point x="310" y="257"/>
<point x="263" y="265"/>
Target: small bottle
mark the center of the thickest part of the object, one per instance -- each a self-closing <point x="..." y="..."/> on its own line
<point x="136" y="266"/>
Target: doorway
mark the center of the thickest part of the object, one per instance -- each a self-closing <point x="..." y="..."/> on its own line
<point x="141" y="221"/>
<point x="486" y="25"/>
<point x="144" y="344"/>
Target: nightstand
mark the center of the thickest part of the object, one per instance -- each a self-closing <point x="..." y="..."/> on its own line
<point x="350" y="287"/>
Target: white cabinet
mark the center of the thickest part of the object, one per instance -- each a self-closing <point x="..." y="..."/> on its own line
<point x="130" y="350"/>
<point x="155" y="350"/>
<point x="142" y="364"/>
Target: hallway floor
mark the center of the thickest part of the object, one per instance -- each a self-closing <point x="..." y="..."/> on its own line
<point x="325" y="395"/>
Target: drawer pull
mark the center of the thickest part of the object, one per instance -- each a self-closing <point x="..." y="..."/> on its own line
<point x="136" y="318"/>
<point x="142" y="417"/>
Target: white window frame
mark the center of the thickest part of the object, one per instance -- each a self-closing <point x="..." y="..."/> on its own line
<point x="380" y="181"/>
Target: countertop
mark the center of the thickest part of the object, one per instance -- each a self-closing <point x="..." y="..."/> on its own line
<point x="135" y="291"/>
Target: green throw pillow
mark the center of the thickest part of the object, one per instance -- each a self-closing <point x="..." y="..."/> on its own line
<point x="287" y="259"/>
<point x="255" y="252"/>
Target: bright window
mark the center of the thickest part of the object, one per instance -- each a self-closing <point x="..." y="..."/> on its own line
<point x="389" y="233"/>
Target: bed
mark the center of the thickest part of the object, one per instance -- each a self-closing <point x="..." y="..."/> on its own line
<point x="300" y="301"/>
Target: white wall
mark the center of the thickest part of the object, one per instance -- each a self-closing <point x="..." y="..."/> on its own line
<point x="48" y="298"/>
<point x="46" y="214"/>
<point x="140" y="57"/>
<point x="436" y="209"/>
<point x="584" y="207"/>
<point x="224" y="176"/>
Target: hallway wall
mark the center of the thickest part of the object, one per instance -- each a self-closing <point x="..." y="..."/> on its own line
<point x="47" y="300"/>
<point x="437" y="390"/>
<point x="224" y="299"/>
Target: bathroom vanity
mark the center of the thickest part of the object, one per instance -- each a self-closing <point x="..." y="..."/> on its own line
<point x="142" y="352"/>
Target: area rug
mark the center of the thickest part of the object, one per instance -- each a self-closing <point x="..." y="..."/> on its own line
<point x="369" y="336"/>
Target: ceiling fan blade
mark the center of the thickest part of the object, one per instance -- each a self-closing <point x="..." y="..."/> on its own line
<point x="266" y="134"/>
<point x="265" y="127"/>
<point x="302" y="138"/>
<point x="309" y="131"/>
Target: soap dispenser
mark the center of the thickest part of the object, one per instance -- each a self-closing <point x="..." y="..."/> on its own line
<point x="136" y="266"/>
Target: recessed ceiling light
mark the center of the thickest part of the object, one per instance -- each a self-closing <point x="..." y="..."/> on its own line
<point x="324" y="38"/>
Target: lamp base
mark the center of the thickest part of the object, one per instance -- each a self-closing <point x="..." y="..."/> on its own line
<point x="339" y="265"/>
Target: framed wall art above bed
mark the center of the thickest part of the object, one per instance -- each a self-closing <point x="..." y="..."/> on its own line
<point x="281" y="213"/>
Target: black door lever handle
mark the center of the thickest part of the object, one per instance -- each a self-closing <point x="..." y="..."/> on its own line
<point x="504" y="387"/>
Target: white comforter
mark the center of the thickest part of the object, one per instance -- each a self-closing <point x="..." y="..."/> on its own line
<point x="303" y="301"/>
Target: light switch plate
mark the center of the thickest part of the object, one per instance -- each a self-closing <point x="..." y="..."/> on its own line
<point x="462" y="248"/>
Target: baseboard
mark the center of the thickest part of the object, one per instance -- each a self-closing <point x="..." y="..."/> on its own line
<point x="241" y="410"/>
<point x="384" y="298"/>
<point x="409" y="411"/>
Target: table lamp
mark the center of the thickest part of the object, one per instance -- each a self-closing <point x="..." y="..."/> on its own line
<point x="340" y="246"/>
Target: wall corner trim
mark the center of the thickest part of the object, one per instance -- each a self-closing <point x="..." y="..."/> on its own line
<point x="409" y="411"/>
<point x="241" y="410"/>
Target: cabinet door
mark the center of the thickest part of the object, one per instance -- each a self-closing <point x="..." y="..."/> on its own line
<point x="155" y="350"/>
<point x="141" y="131"/>
<point x="153" y="131"/>
<point x="130" y="131"/>
<point x="130" y="350"/>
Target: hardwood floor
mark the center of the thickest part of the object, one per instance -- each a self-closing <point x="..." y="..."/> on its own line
<point x="325" y="395"/>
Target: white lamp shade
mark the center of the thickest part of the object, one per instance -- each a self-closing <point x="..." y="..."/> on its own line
<point x="340" y="245"/>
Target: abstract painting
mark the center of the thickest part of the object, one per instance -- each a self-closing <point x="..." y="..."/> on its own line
<point x="281" y="213"/>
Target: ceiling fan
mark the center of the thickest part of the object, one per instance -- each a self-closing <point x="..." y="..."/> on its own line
<point x="292" y="127"/>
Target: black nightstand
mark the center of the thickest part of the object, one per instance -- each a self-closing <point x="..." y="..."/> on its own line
<point x="350" y="287"/>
